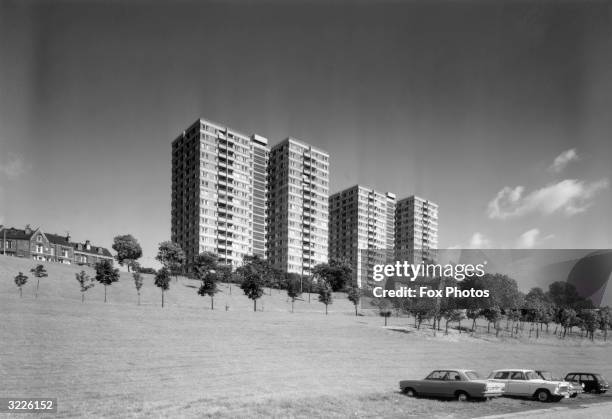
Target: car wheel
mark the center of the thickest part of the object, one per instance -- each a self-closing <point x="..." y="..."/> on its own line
<point x="462" y="396"/>
<point x="543" y="395"/>
<point x="574" y="395"/>
<point x="410" y="392"/>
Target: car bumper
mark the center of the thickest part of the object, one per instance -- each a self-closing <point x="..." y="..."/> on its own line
<point x="493" y="393"/>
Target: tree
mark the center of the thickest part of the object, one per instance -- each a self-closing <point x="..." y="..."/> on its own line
<point x="85" y="282"/>
<point x="20" y="281"/>
<point x="134" y="265"/>
<point x="203" y="264"/>
<point x="452" y="315"/>
<point x="293" y="291"/>
<point x="474" y="306"/>
<point x="252" y="283"/>
<point x="325" y="294"/>
<point x="162" y="281"/>
<point x="128" y="250"/>
<point x="209" y="287"/>
<point x="337" y="273"/>
<point x="279" y="278"/>
<point x="566" y="317"/>
<point x="38" y="272"/>
<point x="106" y="274"/>
<point x="493" y="315"/>
<point x="564" y="294"/>
<point x="138" y="280"/>
<point x="590" y="321"/>
<point x="262" y="267"/>
<point x="171" y="256"/>
<point x="605" y="320"/>
<point x="473" y="314"/>
<point x="423" y="309"/>
<point x="224" y="273"/>
<point x="384" y="309"/>
<point x="537" y="308"/>
<point x="354" y="295"/>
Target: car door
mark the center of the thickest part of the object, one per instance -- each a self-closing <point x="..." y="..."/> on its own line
<point x="589" y="382"/>
<point x="431" y="385"/>
<point x="518" y="384"/>
<point x="501" y="377"/>
<point x="452" y="382"/>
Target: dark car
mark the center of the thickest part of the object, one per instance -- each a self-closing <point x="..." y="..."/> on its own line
<point x="458" y="384"/>
<point x="593" y="383"/>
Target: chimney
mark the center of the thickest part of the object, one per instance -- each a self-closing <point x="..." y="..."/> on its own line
<point x="68" y="236"/>
<point x="28" y="230"/>
<point x="87" y="245"/>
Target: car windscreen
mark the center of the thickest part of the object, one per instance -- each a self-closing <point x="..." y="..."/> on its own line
<point x="532" y="375"/>
<point x="472" y="375"/>
<point x="546" y="375"/>
<point x="600" y="378"/>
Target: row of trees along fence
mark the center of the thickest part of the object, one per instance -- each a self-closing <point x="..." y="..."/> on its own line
<point x="528" y="314"/>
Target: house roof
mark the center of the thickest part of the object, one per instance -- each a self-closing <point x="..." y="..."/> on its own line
<point x="16" y="234"/>
<point x="55" y="239"/>
<point x="93" y="250"/>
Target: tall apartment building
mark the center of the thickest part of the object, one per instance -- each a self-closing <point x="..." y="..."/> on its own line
<point x="219" y="192"/>
<point x="416" y="229"/>
<point x="298" y="178"/>
<point x="361" y="229"/>
<point x="391" y="204"/>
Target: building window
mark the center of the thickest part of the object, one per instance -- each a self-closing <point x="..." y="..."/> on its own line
<point x="39" y="239"/>
<point x="39" y="248"/>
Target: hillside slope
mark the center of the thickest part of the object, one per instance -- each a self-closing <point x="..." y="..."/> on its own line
<point x="62" y="285"/>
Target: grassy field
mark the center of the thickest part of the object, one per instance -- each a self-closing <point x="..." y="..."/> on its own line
<point x="120" y="359"/>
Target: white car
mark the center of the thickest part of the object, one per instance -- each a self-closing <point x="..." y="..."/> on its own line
<point x="527" y="383"/>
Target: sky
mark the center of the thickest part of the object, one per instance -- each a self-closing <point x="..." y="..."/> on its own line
<point x="497" y="111"/>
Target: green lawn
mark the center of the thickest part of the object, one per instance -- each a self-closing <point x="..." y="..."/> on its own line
<point x="186" y="360"/>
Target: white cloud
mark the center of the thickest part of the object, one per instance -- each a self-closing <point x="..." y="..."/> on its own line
<point x="569" y="196"/>
<point x="479" y="241"/>
<point x="14" y="166"/>
<point x="532" y="238"/>
<point x="563" y="159"/>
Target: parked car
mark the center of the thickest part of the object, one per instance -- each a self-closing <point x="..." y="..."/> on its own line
<point x="527" y="383"/>
<point x="574" y="386"/>
<point x="458" y="384"/>
<point x="592" y="383"/>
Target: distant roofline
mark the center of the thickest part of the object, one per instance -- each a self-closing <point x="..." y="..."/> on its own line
<point x="417" y="197"/>
<point x="253" y="137"/>
<point x="300" y="142"/>
<point x="369" y="188"/>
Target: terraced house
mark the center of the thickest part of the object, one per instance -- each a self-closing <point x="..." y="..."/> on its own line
<point x="34" y="243"/>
